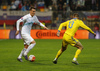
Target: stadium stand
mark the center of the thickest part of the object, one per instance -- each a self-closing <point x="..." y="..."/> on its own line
<point x="59" y="10"/>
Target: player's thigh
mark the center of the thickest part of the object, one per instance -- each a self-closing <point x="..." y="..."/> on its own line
<point x="71" y="40"/>
<point x="27" y="39"/>
<point x="64" y="42"/>
<point x="64" y="45"/>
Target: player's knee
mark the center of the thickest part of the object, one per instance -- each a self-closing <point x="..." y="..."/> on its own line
<point x="33" y="42"/>
<point x="26" y="46"/>
<point x="81" y="47"/>
<point x="63" y="49"/>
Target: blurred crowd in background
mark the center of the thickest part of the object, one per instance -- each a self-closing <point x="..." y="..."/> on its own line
<point x="55" y="5"/>
<point x="61" y="9"/>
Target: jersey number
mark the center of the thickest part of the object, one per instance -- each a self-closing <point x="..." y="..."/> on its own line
<point x="71" y="24"/>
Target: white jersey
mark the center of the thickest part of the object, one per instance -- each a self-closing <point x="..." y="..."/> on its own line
<point x="28" y="21"/>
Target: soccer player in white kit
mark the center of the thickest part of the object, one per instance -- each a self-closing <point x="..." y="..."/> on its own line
<point x="29" y="42"/>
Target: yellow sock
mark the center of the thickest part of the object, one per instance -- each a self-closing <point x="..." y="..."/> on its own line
<point x="77" y="53"/>
<point x="58" y="54"/>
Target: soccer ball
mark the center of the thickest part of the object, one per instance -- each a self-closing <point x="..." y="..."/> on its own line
<point x="31" y="58"/>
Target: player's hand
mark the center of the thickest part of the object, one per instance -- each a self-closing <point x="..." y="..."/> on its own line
<point x="94" y="34"/>
<point x="17" y="32"/>
<point x="58" y="33"/>
<point x="46" y="28"/>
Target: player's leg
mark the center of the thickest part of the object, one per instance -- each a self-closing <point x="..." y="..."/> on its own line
<point x="64" y="46"/>
<point x="78" y="51"/>
<point x="24" y="49"/>
<point x="22" y="52"/>
<point x="32" y="44"/>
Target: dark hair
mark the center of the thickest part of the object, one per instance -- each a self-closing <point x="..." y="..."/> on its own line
<point x="75" y="15"/>
<point x="31" y="8"/>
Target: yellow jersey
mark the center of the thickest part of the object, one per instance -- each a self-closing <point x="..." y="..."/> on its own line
<point x="73" y="25"/>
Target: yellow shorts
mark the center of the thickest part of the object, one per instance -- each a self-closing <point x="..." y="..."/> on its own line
<point x="67" y="39"/>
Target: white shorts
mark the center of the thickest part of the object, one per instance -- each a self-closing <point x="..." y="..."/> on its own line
<point x="27" y="38"/>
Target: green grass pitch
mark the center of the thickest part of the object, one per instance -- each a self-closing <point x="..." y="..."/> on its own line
<point x="45" y="51"/>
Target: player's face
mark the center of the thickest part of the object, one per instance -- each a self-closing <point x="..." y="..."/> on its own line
<point x="32" y="12"/>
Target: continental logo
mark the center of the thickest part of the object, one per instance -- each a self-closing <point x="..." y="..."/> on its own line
<point x="41" y="34"/>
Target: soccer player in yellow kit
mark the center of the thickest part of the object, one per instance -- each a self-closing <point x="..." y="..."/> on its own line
<point x="68" y="37"/>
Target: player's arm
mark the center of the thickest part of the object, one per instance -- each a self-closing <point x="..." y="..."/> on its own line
<point x="39" y="23"/>
<point x="43" y="26"/>
<point x="86" y="27"/>
<point x="60" y="27"/>
<point x="18" y="23"/>
<point x="17" y="26"/>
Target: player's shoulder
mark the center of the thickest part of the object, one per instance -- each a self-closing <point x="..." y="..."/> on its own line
<point x="35" y="16"/>
<point x="66" y="21"/>
<point x="27" y="15"/>
<point x="80" y="20"/>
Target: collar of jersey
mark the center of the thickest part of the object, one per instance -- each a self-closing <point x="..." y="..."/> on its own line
<point x="74" y="18"/>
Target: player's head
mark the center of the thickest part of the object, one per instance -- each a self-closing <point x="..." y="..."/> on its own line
<point x="75" y="15"/>
<point x="32" y="11"/>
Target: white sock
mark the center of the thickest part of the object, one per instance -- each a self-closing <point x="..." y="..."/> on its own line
<point x="55" y="59"/>
<point x="22" y="52"/>
<point x="74" y="59"/>
<point x="29" y="48"/>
